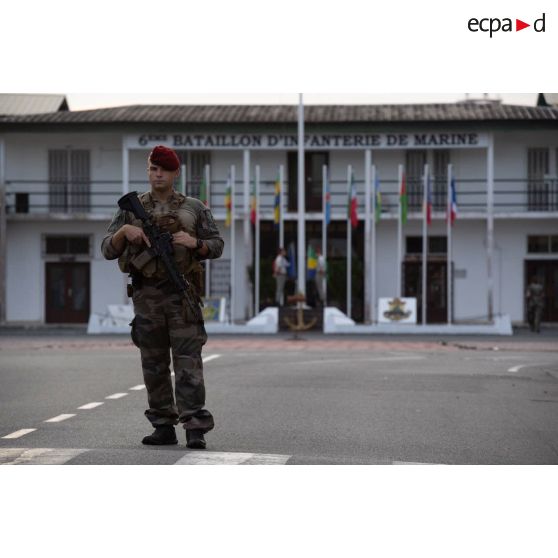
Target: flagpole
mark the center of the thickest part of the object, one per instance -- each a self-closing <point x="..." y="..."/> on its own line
<point x="324" y="231"/>
<point x="490" y="223"/>
<point x="207" y="262"/>
<point x="281" y="223"/>
<point x="301" y="200"/>
<point x="247" y="243"/>
<point x="449" y="246"/>
<point x="367" y="262"/>
<point x="424" y="243"/>
<point x="257" y="244"/>
<point x="183" y="179"/>
<point x="349" y="241"/>
<point x="373" y="249"/>
<point x="233" y="241"/>
<point x="399" y="235"/>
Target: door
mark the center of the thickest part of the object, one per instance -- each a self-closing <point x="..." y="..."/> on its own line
<point x="546" y="272"/>
<point x="67" y="292"/>
<point x="436" y="289"/>
<point x="313" y="177"/>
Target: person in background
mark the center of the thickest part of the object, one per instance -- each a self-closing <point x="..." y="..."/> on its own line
<point x="320" y="276"/>
<point x="280" y="266"/>
<point x="535" y="304"/>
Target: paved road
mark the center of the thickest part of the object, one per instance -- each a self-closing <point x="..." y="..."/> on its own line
<point x="70" y="398"/>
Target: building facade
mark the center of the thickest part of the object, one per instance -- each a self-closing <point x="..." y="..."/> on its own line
<point x="61" y="174"/>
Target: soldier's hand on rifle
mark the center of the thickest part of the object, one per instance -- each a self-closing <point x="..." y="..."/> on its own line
<point x="184" y="239"/>
<point x="135" y="235"/>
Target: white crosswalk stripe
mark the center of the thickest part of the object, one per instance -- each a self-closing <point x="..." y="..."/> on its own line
<point x="19" y="433"/>
<point x="230" y="458"/>
<point x="60" y="418"/>
<point x="92" y="405"/>
<point x="37" y="456"/>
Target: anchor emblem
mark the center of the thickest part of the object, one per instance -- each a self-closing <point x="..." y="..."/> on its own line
<point x="299" y="325"/>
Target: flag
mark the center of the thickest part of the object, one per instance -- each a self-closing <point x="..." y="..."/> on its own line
<point x="311" y="262"/>
<point x="353" y="203"/>
<point x="378" y="195"/>
<point x="327" y="203"/>
<point x="403" y="199"/>
<point x="453" y="202"/>
<point x="253" y="205"/>
<point x="277" y="204"/>
<point x="228" y="203"/>
<point x="203" y="191"/>
<point x="428" y="207"/>
<point x="291" y="254"/>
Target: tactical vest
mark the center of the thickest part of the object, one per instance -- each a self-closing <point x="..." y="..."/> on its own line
<point x="179" y="215"/>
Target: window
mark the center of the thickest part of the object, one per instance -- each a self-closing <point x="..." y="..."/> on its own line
<point x="436" y="245"/>
<point x="69" y="180"/>
<point x="542" y="244"/>
<point x="440" y="179"/>
<point x="67" y="245"/>
<point x="414" y="170"/>
<point x="195" y="171"/>
<point x="539" y="192"/>
<point x="313" y="162"/>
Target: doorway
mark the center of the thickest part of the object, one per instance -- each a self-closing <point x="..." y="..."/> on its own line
<point x="436" y="289"/>
<point x="546" y="272"/>
<point x="67" y="292"/>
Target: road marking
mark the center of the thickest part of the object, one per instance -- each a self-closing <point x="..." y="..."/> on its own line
<point x="210" y="357"/>
<point x="60" y="418"/>
<point x="520" y="366"/>
<point x="138" y="387"/>
<point x="116" y="396"/>
<point x="205" y="359"/>
<point x="37" y="456"/>
<point x="91" y="405"/>
<point x="369" y="359"/>
<point x="412" y="463"/>
<point x="19" y="433"/>
<point x="229" y="458"/>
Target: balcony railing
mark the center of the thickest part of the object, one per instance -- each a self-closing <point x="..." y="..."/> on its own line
<point x="99" y="197"/>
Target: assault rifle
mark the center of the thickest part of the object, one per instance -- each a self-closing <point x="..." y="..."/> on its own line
<point x="161" y="247"/>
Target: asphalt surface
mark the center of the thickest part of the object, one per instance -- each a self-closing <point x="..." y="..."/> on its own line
<point x="320" y="400"/>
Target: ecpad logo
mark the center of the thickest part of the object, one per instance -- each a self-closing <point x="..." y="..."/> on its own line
<point x="493" y="25"/>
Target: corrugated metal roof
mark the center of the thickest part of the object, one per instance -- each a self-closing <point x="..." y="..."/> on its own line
<point x="17" y="104"/>
<point x="323" y="114"/>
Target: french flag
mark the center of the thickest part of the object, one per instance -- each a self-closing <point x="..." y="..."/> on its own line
<point x="453" y="202"/>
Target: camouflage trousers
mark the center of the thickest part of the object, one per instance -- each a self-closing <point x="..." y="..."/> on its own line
<point x="162" y="325"/>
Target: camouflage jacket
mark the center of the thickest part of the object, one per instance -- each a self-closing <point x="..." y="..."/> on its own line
<point x="178" y="213"/>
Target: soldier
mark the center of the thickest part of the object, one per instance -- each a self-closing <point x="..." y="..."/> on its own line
<point x="535" y="304"/>
<point x="162" y="321"/>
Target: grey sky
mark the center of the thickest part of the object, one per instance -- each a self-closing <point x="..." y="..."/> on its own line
<point x="84" y="101"/>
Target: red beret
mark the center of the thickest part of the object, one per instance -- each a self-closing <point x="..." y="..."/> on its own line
<point x="165" y="157"/>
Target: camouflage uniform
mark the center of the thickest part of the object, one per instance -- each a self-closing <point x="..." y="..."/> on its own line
<point x="162" y="320"/>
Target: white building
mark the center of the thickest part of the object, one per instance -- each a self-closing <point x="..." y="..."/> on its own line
<point x="61" y="173"/>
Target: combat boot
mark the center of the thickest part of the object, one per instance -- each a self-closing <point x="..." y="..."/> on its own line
<point x="195" y="439"/>
<point x="162" y="436"/>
